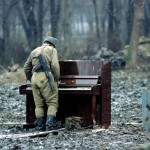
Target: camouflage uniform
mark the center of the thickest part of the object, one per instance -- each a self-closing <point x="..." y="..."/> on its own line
<point x="40" y="86"/>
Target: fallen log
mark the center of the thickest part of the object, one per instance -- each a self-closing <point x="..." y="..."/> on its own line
<point x="32" y="135"/>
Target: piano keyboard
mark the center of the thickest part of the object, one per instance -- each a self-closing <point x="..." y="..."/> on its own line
<point x="77" y="88"/>
<point x="65" y="89"/>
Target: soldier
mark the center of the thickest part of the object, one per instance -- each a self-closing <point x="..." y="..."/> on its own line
<point x="41" y="89"/>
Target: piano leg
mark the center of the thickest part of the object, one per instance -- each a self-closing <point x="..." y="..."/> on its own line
<point x="94" y="109"/>
<point x="30" y="110"/>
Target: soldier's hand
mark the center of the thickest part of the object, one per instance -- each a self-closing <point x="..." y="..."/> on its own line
<point x="28" y="81"/>
<point x="58" y="83"/>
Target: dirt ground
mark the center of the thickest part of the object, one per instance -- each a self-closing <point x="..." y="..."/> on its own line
<point x="125" y="133"/>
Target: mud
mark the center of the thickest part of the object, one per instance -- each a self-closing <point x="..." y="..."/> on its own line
<point x="125" y="133"/>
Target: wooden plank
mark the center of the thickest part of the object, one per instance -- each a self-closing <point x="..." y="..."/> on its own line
<point x="35" y="134"/>
<point x="13" y="123"/>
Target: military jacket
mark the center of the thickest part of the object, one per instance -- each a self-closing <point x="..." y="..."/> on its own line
<point x="51" y="56"/>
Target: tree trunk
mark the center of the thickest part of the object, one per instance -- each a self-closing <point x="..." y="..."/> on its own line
<point x="137" y="22"/>
<point x="110" y="24"/>
<point x="147" y="19"/>
<point x="29" y="23"/>
<point x="116" y="43"/>
<point x="6" y="30"/>
<point x="129" y="19"/>
<point x="97" y="24"/>
<point x="66" y="22"/>
<point x="40" y="22"/>
<point x="55" y="16"/>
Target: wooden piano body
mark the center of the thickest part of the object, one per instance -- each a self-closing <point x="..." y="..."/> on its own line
<point x="84" y="91"/>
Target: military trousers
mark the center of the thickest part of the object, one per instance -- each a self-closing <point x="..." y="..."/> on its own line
<point x="43" y="94"/>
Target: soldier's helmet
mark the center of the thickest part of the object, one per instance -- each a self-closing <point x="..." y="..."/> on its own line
<point x="51" y="40"/>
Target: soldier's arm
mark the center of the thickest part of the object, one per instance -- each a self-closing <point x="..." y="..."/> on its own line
<point x="55" y="68"/>
<point x="28" y="68"/>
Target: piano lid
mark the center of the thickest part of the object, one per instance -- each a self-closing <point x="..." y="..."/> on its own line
<point x="80" y="67"/>
<point x="79" y="72"/>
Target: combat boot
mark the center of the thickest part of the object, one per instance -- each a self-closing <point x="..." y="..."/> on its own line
<point x="41" y="124"/>
<point x="51" y="123"/>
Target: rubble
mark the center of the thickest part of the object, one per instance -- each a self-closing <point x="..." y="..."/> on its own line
<point x="125" y="133"/>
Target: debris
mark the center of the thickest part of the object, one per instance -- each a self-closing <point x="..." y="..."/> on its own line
<point x="98" y="130"/>
<point x="35" y="134"/>
<point x="126" y="130"/>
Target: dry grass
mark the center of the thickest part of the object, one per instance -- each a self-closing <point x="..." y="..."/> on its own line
<point x="13" y="77"/>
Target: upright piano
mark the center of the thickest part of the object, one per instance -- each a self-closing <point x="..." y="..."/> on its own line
<point x="84" y="91"/>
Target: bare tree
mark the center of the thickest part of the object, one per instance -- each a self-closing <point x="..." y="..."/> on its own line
<point x="110" y="24"/>
<point x="129" y="19"/>
<point x="103" y="4"/>
<point x="40" y="21"/>
<point x="32" y="26"/>
<point x="82" y="27"/>
<point x="5" y="30"/>
<point x="55" y="16"/>
<point x="7" y="8"/>
<point x="147" y="18"/>
<point x="97" y="23"/>
<point x="66" y="20"/>
<point x="137" y="22"/>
